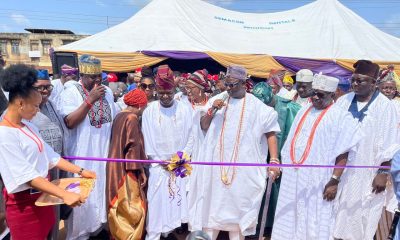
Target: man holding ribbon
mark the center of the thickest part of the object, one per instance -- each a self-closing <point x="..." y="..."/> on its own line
<point x="240" y="129"/>
<point x="321" y="134"/>
<point x="364" y="194"/>
<point x="166" y="126"/>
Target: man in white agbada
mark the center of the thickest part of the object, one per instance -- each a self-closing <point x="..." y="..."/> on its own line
<point x="229" y="198"/>
<point x="304" y="79"/>
<point x="166" y="127"/>
<point x="88" y="110"/>
<point x="321" y="134"/>
<point x="363" y="196"/>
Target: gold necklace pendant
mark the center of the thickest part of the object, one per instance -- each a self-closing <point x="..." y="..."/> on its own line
<point x="225" y="180"/>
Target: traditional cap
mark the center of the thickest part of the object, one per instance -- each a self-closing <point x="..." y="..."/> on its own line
<point x="325" y="83"/>
<point x="42" y="74"/>
<point x="236" y="72"/>
<point x="304" y="75"/>
<point x="112" y="77"/>
<point x="199" y="78"/>
<point x="89" y="64"/>
<point x="263" y="91"/>
<point x="276" y="77"/>
<point x="135" y="98"/>
<point x="165" y="77"/>
<point x="388" y="75"/>
<point x="366" y="67"/>
<point x="183" y="78"/>
<point x="288" y="79"/>
<point x="274" y="80"/>
<point x="68" y="70"/>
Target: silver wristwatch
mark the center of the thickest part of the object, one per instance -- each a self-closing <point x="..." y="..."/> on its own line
<point x="337" y="178"/>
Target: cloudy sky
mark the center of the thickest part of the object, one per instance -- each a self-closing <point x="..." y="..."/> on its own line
<point x="92" y="16"/>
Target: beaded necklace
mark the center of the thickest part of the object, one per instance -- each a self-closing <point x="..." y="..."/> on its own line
<point x="310" y="138"/>
<point x="202" y="103"/>
<point x="35" y="138"/>
<point x="225" y="172"/>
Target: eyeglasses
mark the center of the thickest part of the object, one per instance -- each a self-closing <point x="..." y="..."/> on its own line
<point x="231" y="85"/>
<point x="42" y="88"/>
<point x="361" y="80"/>
<point x="320" y="94"/>
<point x="145" y="86"/>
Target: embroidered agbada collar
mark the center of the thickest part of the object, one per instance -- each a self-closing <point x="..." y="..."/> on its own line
<point x="353" y="109"/>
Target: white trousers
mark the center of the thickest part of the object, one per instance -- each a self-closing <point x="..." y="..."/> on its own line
<point x="213" y="234"/>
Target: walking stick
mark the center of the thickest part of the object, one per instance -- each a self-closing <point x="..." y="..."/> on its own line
<point x="393" y="227"/>
<point x="265" y="210"/>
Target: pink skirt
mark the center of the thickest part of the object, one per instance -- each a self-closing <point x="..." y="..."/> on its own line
<point x="26" y="220"/>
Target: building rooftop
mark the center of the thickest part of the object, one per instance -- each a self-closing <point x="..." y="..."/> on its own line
<point x="48" y="31"/>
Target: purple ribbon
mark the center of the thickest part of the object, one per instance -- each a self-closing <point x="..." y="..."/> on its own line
<point x="72" y="185"/>
<point x="180" y="172"/>
<point x="222" y="163"/>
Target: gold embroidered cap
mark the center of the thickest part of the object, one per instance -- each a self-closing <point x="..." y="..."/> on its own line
<point x="89" y="64"/>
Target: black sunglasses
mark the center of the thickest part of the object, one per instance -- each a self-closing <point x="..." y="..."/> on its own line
<point x="145" y="86"/>
<point x="320" y="94"/>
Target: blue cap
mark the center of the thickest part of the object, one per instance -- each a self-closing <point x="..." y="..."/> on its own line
<point x="43" y="74"/>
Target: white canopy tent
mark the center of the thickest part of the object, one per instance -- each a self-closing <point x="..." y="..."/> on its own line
<point x="324" y="29"/>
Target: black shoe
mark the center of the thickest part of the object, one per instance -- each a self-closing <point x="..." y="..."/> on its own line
<point x="170" y="236"/>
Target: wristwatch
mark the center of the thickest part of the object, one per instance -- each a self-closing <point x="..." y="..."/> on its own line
<point x="80" y="171"/>
<point x="383" y="171"/>
<point x="337" y="178"/>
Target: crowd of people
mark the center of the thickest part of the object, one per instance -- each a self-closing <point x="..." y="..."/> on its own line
<point x="300" y="119"/>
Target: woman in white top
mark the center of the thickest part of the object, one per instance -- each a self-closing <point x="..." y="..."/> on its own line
<point x="25" y="160"/>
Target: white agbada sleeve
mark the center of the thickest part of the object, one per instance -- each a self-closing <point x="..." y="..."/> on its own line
<point x="269" y="120"/>
<point x="70" y="99"/>
<point x="390" y="141"/>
